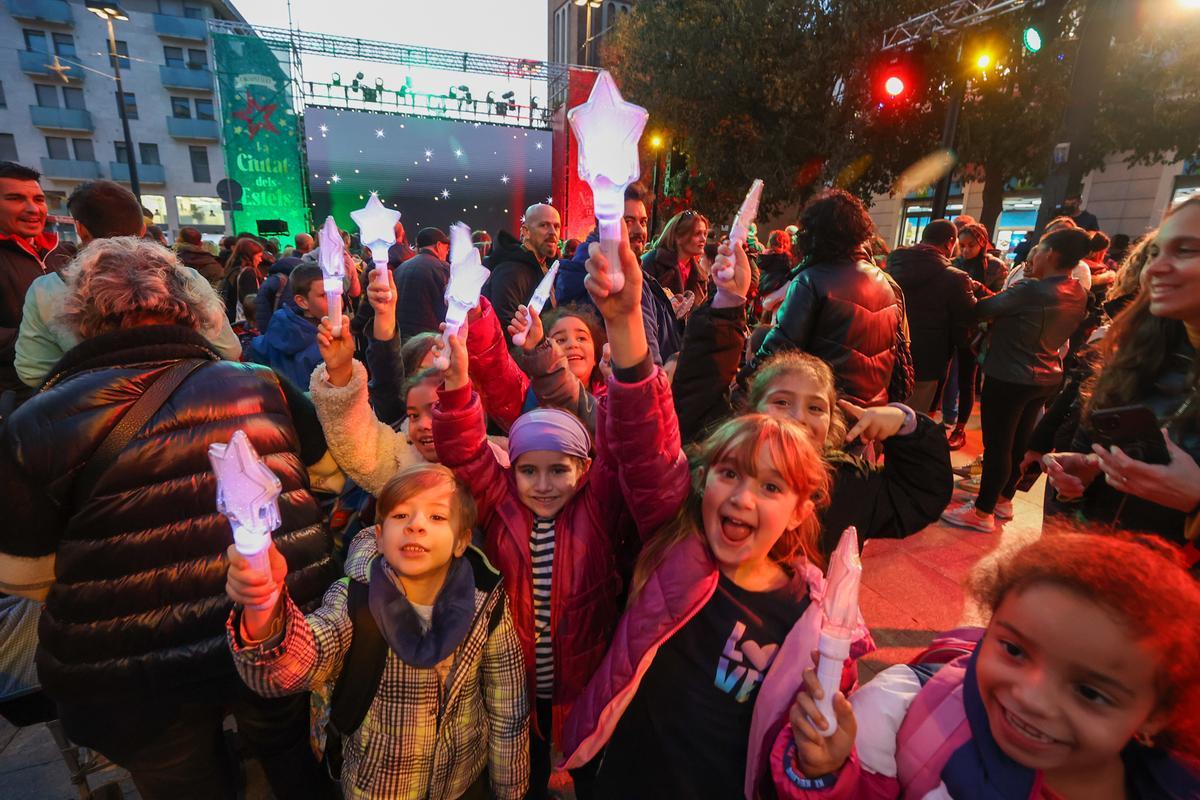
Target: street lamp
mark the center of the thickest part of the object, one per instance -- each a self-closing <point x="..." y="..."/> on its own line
<point x="656" y="142"/>
<point x="108" y="11"/>
<point x="587" y="33"/>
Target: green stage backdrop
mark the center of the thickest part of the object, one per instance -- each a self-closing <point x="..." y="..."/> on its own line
<point x="261" y="136"/>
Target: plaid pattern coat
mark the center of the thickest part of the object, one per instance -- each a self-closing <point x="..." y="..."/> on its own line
<point x="421" y="738"/>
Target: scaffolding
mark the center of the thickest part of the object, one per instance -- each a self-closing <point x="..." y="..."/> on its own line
<point x="950" y="18"/>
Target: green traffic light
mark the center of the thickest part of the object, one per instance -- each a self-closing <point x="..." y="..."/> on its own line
<point x="1032" y="39"/>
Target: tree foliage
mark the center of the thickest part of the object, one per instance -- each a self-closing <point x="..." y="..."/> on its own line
<point x="773" y="89"/>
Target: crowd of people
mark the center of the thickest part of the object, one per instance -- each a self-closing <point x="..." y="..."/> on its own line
<point x="598" y="546"/>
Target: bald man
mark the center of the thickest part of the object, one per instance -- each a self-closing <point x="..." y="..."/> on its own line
<point x="518" y="267"/>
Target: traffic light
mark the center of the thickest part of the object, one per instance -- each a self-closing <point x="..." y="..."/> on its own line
<point x="1031" y="38"/>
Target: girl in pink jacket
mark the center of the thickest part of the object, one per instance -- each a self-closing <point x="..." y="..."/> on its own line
<point x="1083" y="687"/>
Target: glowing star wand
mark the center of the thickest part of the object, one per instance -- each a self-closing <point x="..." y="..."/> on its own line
<point x="333" y="265"/>
<point x="541" y="296"/>
<point x="376" y="225"/>
<point x="739" y="232"/>
<point x="608" y="129"/>
<point x="467" y="276"/>
<point x="840" y="605"/>
<point x="248" y="495"/>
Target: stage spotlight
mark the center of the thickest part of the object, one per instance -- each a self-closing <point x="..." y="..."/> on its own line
<point x="337" y="79"/>
<point x="510" y="97"/>
<point x="379" y="84"/>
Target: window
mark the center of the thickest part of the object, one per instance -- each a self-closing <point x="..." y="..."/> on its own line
<point x="200" y="173"/>
<point x="122" y="55"/>
<point x="156" y="204"/>
<point x="193" y="12"/>
<point x="84" y="150"/>
<point x="204" y="109"/>
<point x="198" y="210"/>
<point x="56" y="147"/>
<point x="559" y="52"/>
<point x="8" y="147"/>
<point x="35" y="42"/>
<point x="148" y="153"/>
<point x="47" y="96"/>
<point x="131" y="110"/>
<point x="181" y="108"/>
<point x="173" y="56"/>
<point x="3" y="101"/>
<point x="73" y="97"/>
<point x="64" y="45"/>
<point x="122" y="152"/>
<point x="197" y="59"/>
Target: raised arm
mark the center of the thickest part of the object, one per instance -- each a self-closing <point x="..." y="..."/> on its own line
<point x="500" y="382"/>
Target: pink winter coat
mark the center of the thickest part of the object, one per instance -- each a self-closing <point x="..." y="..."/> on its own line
<point x="639" y="473"/>
<point x="675" y="592"/>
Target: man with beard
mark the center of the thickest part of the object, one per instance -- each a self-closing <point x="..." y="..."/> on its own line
<point x="662" y="329"/>
<point x="518" y="267"/>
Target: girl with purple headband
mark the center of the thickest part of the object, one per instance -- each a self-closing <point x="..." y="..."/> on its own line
<point x="556" y="522"/>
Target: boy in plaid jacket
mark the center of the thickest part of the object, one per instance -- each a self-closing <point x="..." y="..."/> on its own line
<point x="449" y="717"/>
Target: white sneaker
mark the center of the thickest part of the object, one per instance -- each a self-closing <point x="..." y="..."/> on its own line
<point x="965" y="516"/>
<point x="1004" y="509"/>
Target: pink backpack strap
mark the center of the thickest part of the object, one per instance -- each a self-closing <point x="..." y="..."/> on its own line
<point x="935" y="726"/>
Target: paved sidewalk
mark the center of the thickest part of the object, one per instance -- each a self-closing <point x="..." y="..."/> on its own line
<point x="913" y="588"/>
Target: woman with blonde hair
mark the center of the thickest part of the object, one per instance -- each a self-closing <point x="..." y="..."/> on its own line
<point x="107" y="481"/>
<point x="674" y="261"/>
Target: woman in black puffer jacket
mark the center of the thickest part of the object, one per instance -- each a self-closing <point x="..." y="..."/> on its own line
<point x="132" y="639"/>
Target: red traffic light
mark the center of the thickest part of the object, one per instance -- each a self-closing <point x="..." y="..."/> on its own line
<point x="894" y="86"/>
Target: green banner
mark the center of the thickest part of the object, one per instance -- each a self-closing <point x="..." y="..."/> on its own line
<point x="261" y="137"/>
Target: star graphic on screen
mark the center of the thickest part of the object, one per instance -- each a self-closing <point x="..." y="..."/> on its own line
<point x="445" y="194"/>
<point x="549" y="200"/>
<point x="429" y="154"/>
<point x="257" y="117"/>
<point x="335" y="178"/>
<point x="504" y="179"/>
<point x="458" y="153"/>
<point x="324" y="129"/>
<point x="539" y="145"/>
<point x="379" y="132"/>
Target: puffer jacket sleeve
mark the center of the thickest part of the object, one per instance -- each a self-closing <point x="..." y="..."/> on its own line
<point x="386" y="385"/>
<point x="794" y="323"/>
<point x="708" y="362"/>
<point x="640" y="434"/>
<point x="500" y="382"/>
<point x="310" y="653"/>
<point x="366" y="449"/>
<point x="507" y="701"/>
<point x="460" y="435"/>
<point x="909" y="492"/>
<point x="554" y="384"/>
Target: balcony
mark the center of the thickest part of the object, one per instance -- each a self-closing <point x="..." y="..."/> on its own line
<point x="63" y="169"/>
<point x="183" y="128"/>
<point x="147" y="173"/>
<point x="62" y="119"/>
<point x="56" y="12"/>
<point x="174" y="27"/>
<point x="184" y="78"/>
<point x="33" y="63"/>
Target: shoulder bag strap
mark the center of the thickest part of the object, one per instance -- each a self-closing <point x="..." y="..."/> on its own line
<point x="132" y="421"/>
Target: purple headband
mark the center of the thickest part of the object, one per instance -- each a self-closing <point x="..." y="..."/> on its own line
<point x="548" y="429"/>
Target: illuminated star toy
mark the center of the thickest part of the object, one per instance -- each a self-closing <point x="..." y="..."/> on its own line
<point x="376" y="224"/>
<point x="247" y="490"/>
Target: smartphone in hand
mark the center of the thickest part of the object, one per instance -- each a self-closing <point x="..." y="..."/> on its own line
<point x="1134" y="429"/>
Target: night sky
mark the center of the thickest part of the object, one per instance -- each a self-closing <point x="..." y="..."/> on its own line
<point x="434" y="171"/>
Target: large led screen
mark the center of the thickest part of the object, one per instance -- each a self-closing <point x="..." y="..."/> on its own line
<point x="434" y="171"/>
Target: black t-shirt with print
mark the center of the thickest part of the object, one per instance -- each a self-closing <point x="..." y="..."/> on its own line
<point x="685" y="733"/>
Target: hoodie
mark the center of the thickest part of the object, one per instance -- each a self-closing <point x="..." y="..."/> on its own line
<point x="289" y="346"/>
<point x="265" y="303"/>
<point x="662" y="330"/>
<point x="516" y="272"/>
<point x="940" y="302"/>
